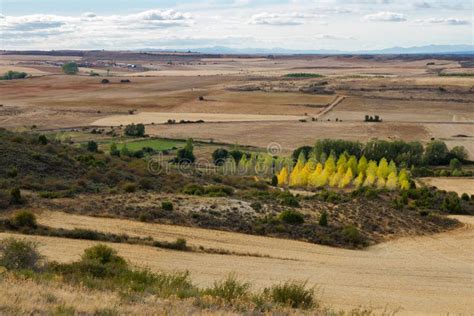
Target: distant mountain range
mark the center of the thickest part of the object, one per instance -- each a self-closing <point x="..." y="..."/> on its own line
<point x="428" y="49"/>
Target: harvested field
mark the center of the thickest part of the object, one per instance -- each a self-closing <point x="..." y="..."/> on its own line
<point x="355" y="108"/>
<point x="399" y="275"/>
<point x="155" y="117"/>
<point x="458" y="185"/>
<point x="290" y="135"/>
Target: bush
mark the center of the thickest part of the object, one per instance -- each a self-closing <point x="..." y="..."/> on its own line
<point x="436" y="153"/>
<point x="219" y="156"/>
<point x="193" y="189"/>
<point x="43" y="140"/>
<point x="452" y="203"/>
<point x="323" y="219"/>
<point x="289" y="199"/>
<point x="102" y="261"/>
<point x="137" y="130"/>
<point x="15" y="196"/>
<point x="465" y="197"/>
<point x="229" y="289"/>
<point x="70" y="68"/>
<point x="12" y="172"/>
<point x="351" y="234"/>
<point x="167" y="206"/>
<point x="274" y="180"/>
<point x="19" y="254"/>
<point x="293" y="294"/>
<point x="455" y="164"/>
<point x="24" y="219"/>
<point x="92" y="146"/>
<point x="10" y="75"/>
<point x="291" y="217"/>
<point x="130" y="188"/>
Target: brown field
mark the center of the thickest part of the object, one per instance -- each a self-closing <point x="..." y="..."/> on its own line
<point x="398" y="275"/>
<point x="404" y="93"/>
<point x="458" y="185"/>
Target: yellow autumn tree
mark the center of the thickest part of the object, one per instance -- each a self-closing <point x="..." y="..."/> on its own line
<point x="330" y="165"/>
<point x="403" y="181"/>
<point x="362" y="165"/>
<point x="352" y="163"/>
<point x="369" y="179"/>
<point x="283" y="177"/>
<point x="392" y="181"/>
<point x="383" y="170"/>
<point x="359" y="181"/>
<point x="346" y="179"/>
<point x="313" y="176"/>
<point x="342" y="162"/>
<point x="380" y="183"/>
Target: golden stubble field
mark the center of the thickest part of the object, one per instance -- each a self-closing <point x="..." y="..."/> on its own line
<point x="426" y="274"/>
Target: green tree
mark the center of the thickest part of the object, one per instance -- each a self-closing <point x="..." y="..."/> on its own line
<point x="135" y="130"/>
<point x="455" y="164"/>
<point x="186" y="155"/>
<point x="70" y="68"/>
<point x="323" y="219"/>
<point x="92" y="146"/>
<point x="436" y="153"/>
<point x="459" y="152"/>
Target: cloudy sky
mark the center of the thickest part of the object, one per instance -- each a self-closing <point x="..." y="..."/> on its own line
<point x="293" y="24"/>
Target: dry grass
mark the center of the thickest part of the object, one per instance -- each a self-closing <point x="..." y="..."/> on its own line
<point x="380" y="277"/>
<point x="18" y="297"/>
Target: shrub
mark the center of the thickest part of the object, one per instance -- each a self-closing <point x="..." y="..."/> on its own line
<point x="10" y="75"/>
<point x="465" y="197"/>
<point x="219" y="156"/>
<point x="19" y="254"/>
<point x="137" y="130"/>
<point x="293" y="294"/>
<point x="186" y="155"/>
<point x="193" y="189"/>
<point x="4" y="200"/>
<point x="102" y="261"/>
<point x="323" y="219"/>
<point x="455" y="164"/>
<point x="167" y="206"/>
<point x="351" y="234"/>
<point x="291" y="217"/>
<point x="452" y="203"/>
<point x="92" y="146"/>
<point x="289" y="199"/>
<point x="15" y="196"/>
<point x="229" y="289"/>
<point x="70" y="68"/>
<point x="12" y="172"/>
<point x="24" y="219"/>
<point x="130" y="187"/>
<point x="43" y="140"/>
<point x="436" y="153"/>
<point x="274" y="180"/>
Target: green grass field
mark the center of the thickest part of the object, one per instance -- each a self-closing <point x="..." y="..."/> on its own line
<point x="156" y="144"/>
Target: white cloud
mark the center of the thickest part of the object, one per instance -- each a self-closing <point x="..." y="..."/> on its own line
<point x="385" y="16"/>
<point x="89" y="15"/>
<point x="445" y="21"/>
<point x="333" y="37"/>
<point x="294" y="18"/>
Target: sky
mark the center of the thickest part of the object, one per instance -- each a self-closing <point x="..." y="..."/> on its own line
<point x="294" y="24"/>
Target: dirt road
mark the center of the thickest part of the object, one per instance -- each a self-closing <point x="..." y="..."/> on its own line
<point x="422" y="275"/>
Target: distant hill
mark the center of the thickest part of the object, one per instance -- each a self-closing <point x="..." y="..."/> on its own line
<point x="427" y="49"/>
